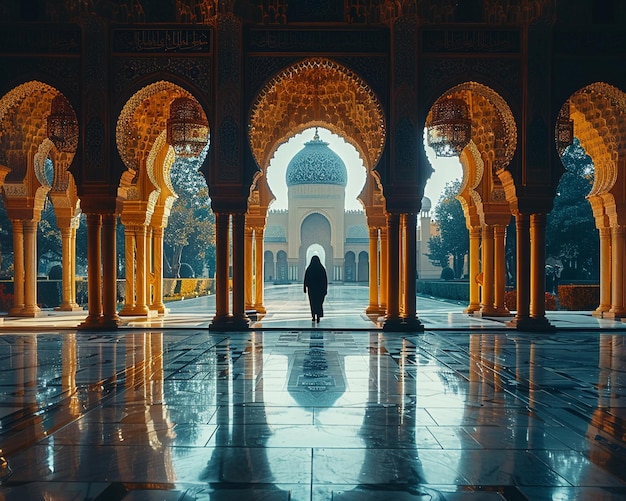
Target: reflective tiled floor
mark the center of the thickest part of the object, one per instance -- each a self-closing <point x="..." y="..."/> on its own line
<point x="164" y="409"/>
<point x="184" y="414"/>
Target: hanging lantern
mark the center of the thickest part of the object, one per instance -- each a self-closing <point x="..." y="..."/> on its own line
<point x="187" y="129"/>
<point x="62" y="125"/>
<point x="564" y="129"/>
<point x="451" y="127"/>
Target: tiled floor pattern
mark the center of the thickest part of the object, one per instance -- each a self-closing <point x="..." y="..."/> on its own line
<point x="312" y="414"/>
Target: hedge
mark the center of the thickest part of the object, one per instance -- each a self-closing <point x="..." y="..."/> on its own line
<point x="510" y="301"/>
<point x="458" y="291"/>
<point x="579" y="297"/>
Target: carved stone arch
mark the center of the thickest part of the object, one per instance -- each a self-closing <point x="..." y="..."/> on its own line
<point x="494" y="131"/>
<point x="142" y="119"/>
<point x="317" y="92"/>
<point x="23" y="114"/>
<point x="599" y="114"/>
<point x="470" y="199"/>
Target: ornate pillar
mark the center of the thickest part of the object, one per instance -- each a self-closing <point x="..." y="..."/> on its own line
<point x="110" y="317"/>
<point x="486" y="303"/>
<point x="129" y="251"/>
<point x="240" y="319"/>
<point x="66" y="259"/>
<point x="410" y="272"/>
<point x="373" y="308"/>
<point x="383" y="269"/>
<point x="157" y="257"/>
<point x="605" y="272"/>
<point x="18" y="267"/>
<point x="474" y="270"/>
<point x="94" y="291"/>
<point x="258" y="270"/>
<point x="248" y="267"/>
<point x="30" y="269"/>
<point x="522" y="272"/>
<point x="73" y="228"/>
<point x="392" y="319"/>
<point x="141" y="306"/>
<point x="617" y="276"/>
<point x="222" y="255"/>
<point x="499" y="268"/>
<point x="538" y="271"/>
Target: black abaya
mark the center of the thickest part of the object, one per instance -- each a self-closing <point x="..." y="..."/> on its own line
<point x="316" y="284"/>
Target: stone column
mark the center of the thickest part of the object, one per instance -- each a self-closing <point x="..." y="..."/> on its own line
<point x="248" y="267"/>
<point x="499" y="267"/>
<point x="373" y="308"/>
<point x="605" y="272"/>
<point x="18" y="267"/>
<point x="157" y="257"/>
<point x="73" y="227"/>
<point x="410" y="272"/>
<point x="474" y="270"/>
<point x="222" y="254"/>
<point x="110" y="317"/>
<point x="392" y="319"/>
<point x="30" y="269"/>
<point x="67" y="272"/>
<point x="537" y="266"/>
<point x="240" y="318"/>
<point x="129" y="257"/>
<point x="617" y="276"/>
<point x="486" y="303"/>
<point x="141" y="306"/>
<point x="522" y="272"/>
<point x="94" y="277"/>
<point x="259" y="273"/>
<point x="383" y="269"/>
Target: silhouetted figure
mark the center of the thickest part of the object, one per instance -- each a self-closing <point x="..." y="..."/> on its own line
<point x="316" y="284"/>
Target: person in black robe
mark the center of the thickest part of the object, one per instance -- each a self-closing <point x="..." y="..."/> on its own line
<point x="316" y="284"/>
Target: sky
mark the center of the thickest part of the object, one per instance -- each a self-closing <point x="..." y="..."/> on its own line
<point x="446" y="169"/>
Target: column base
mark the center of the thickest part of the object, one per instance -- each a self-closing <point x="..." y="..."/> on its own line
<point x="403" y="325"/>
<point x="614" y="315"/>
<point x="16" y="310"/>
<point x="600" y="311"/>
<point x="260" y="309"/>
<point x="229" y="324"/>
<point x="29" y="312"/>
<point x="69" y="307"/>
<point x="159" y="308"/>
<point x="137" y="311"/>
<point x="529" y="324"/>
<point x="492" y="312"/>
<point x="95" y="323"/>
<point x="471" y="309"/>
<point x="374" y="310"/>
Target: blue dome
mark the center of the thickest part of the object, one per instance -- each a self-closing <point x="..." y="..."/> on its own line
<point x="316" y="163"/>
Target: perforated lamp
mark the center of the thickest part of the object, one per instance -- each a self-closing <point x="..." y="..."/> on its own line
<point x="62" y="126"/>
<point x="187" y="128"/>
<point x="451" y="127"/>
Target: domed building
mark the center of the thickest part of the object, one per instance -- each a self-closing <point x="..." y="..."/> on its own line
<point x="316" y="221"/>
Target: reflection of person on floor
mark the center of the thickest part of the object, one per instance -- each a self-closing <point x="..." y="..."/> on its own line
<point x="316" y="284"/>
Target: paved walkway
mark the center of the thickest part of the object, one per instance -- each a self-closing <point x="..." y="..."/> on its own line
<point x="287" y="308"/>
<point x="465" y="411"/>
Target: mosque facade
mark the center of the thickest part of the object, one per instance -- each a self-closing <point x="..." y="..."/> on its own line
<point x="316" y="221"/>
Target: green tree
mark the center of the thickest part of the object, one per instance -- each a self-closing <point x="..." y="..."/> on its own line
<point x="454" y="237"/>
<point x="190" y="233"/>
<point x="571" y="235"/>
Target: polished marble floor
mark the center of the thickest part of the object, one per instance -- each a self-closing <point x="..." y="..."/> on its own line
<point x="316" y="413"/>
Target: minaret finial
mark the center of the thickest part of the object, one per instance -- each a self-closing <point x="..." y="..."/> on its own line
<point x="316" y="137"/>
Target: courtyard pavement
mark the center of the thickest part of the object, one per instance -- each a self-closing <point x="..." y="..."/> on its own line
<point x="166" y="409"/>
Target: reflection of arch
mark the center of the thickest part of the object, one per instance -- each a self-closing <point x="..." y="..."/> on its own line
<point x="317" y="92"/>
<point x="349" y="267"/>
<point x="282" y="269"/>
<point x="363" y="267"/>
<point x="268" y="266"/>
<point x="315" y="229"/>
